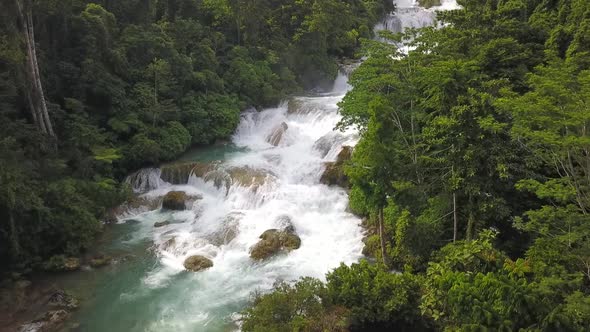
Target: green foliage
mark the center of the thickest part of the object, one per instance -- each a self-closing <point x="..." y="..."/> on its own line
<point x="304" y="306"/>
<point x="376" y="297"/>
<point x="134" y="83"/>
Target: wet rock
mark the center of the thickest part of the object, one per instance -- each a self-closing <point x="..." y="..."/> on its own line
<point x="334" y="172"/>
<point x="250" y="177"/>
<point x="228" y="231"/>
<point x="168" y="244"/>
<point x="134" y="206"/>
<point x="294" y="106"/>
<point x="273" y="242"/>
<point x="201" y="169"/>
<point x="62" y="264"/>
<point x="49" y="321"/>
<point x="159" y="224"/>
<point x="325" y="143"/>
<point x="177" y="200"/>
<point x="285" y="224"/>
<point x="62" y="300"/>
<point x="220" y="179"/>
<point x="197" y="263"/>
<point x="277" y="134"/>
<point x="144" y="180"/>
<point x="100" y="261"/>
<point x="177" y="173"/>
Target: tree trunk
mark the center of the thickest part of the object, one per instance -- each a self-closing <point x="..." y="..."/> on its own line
<point x="382" y="238"/>
<point x="470" y="225"/>
<point x="34" y="89"/>
<point x="14" y="241"/>
<point x="455" y="219"/>
<point x="37" y="77"/>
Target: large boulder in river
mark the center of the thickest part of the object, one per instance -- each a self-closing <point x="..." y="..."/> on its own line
<point x="334" y="172"/>
<point x="277" y="134"/>
<point x="275" y="241"/>
<point x="197" y="263"/>
<point x="177" y="200"/>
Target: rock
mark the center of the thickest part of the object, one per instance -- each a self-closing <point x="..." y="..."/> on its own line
<point x="62" y="264"/>
<point x="100" y="261"/>
<point x="201" y="169"/>
<point x="177" y="173"/>
<point x="344" y="155"/>
<point x="294" y="106"/>
<point x="250" y="177"/>
<point x="273" y="242"/>
<point x="334" y="172"/>
<point x="285" y="224"/>
<point x="62" y="300"/>
<point x="277" y="134"/>
<point x="50" y="321"/>
<point x="159" y="224"/>
<point x="144" y="180"/>
<point x="197" y="263"/>
<point x="175" y="200"/>
<point x="134" y="206"/>
<point x="228" y="231"/>
<point x="72" y="264"/>
<point x="220" y="179"/>
<point x="325" y="143"/>
<point x="168" y="244"/>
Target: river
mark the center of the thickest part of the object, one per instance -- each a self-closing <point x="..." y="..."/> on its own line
<point x="149" y="289"/>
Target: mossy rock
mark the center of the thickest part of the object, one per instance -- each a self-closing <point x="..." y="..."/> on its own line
<point x="61" y="263"/>
<point x="100" y="261"/>
<point x="334" y="174"/>
<point x="344" y="155"/>
<point x="62" y="300"/>
<point x="197" y="263"/>
<point x="266" y="248"/>
<point x="273" y="242"/>
<point x="175" y="200"/>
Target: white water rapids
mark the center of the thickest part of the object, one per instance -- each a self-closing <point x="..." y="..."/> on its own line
<point x="160" y="295"/>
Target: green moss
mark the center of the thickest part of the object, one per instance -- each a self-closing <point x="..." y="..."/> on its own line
<point x="175" y="200"/>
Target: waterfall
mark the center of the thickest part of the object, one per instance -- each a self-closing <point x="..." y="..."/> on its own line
<point x="273" y="177"/>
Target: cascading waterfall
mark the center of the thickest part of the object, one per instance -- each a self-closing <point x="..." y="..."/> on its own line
<point x="275" y="174"/>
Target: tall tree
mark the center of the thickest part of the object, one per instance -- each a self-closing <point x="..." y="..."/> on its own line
<point x="34" y="87"/>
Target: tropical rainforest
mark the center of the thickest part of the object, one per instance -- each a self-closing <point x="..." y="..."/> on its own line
<point x="92" y="90"/>
<point x="473" y="173"/>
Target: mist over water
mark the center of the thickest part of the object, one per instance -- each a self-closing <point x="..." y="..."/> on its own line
<point x="284" y="149"/>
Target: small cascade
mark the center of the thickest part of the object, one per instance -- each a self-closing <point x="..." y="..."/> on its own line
<point x="144" y="180"/>
<point x="177" y="173"/>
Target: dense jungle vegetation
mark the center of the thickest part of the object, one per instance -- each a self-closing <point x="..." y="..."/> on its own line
<point x="473" y="171"/>
<point x="91" y="90"/>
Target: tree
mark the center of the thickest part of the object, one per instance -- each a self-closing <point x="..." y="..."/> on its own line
<point x="34" y="88"/>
